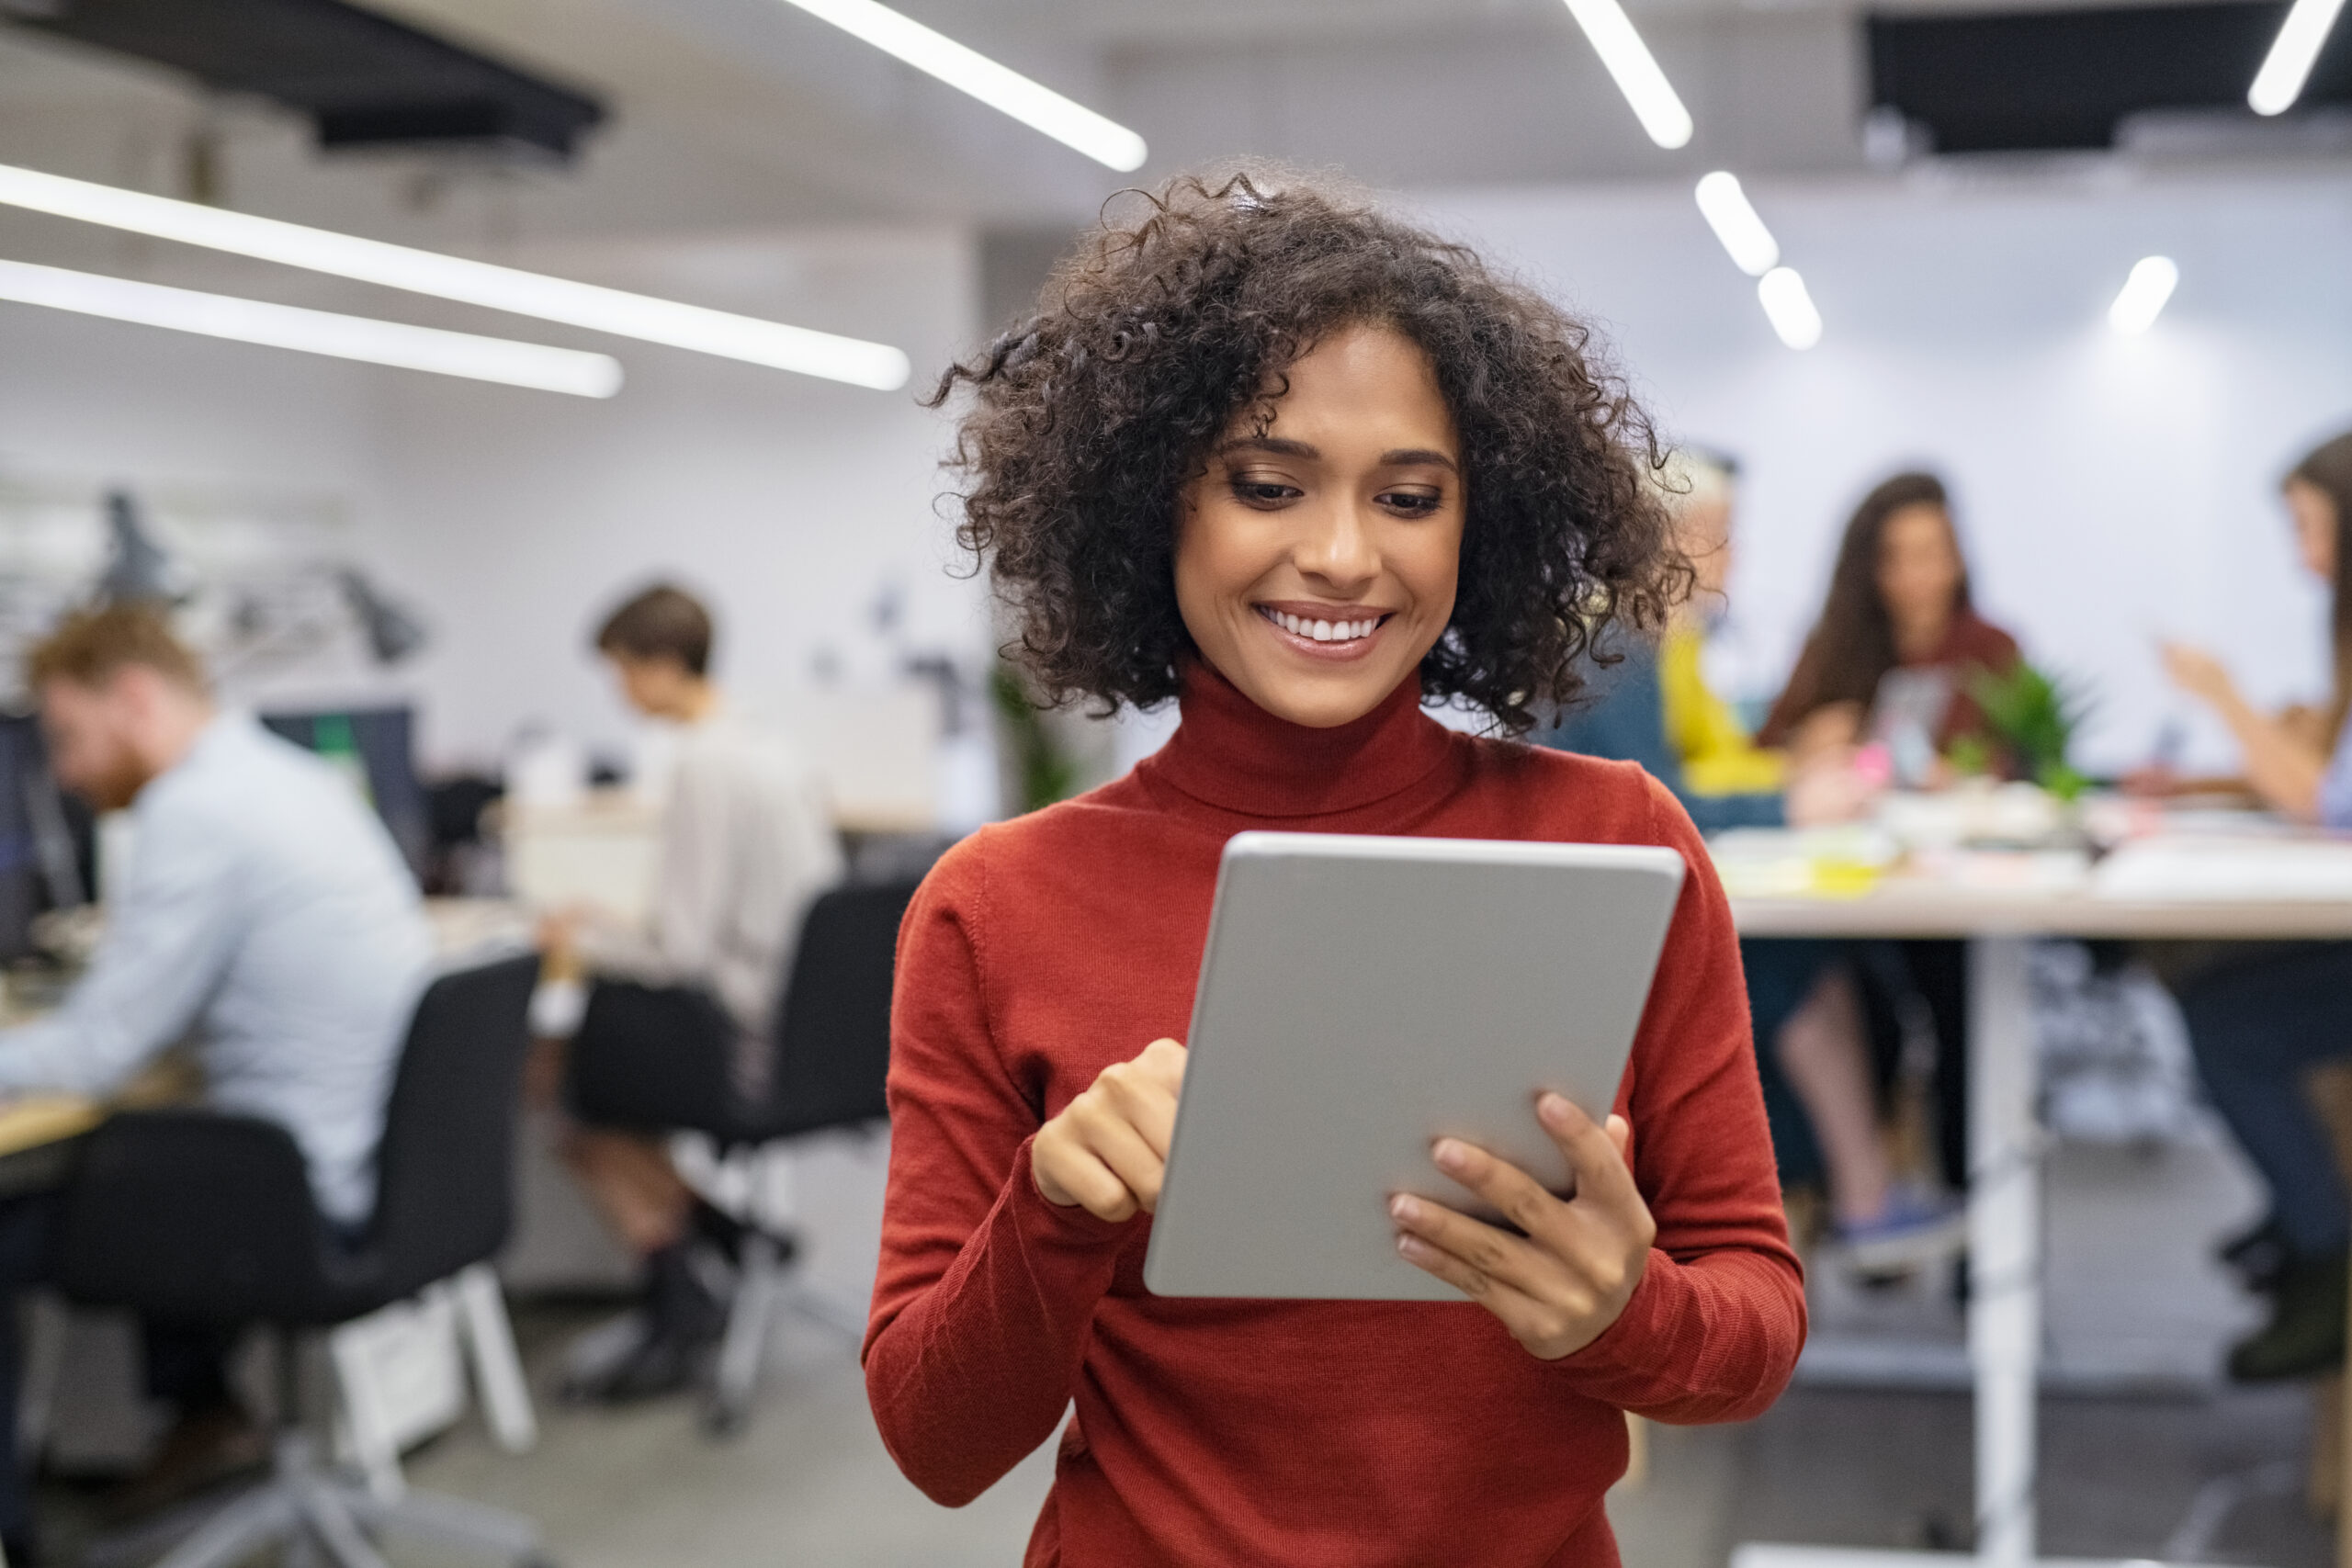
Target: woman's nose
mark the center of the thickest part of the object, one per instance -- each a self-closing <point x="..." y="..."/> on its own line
<point x="1339" y="547"/>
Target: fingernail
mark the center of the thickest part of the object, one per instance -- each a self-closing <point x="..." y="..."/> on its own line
<point x="1553" y="1107"/>
<point x="1449" y="1156"/>
<point x="1403" y="1209"/>
<point x="1411" y="1245"/>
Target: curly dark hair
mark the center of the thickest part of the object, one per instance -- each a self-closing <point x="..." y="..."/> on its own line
<point x="1164" y="327"/>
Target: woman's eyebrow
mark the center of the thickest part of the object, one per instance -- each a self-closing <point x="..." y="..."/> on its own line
<point x="1418" y="457"/>
<point x="1275" y="445"/>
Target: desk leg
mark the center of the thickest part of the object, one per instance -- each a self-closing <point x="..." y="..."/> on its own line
<point x="2004" y="1245"/>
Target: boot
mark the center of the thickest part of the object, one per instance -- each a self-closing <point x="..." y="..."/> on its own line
<point x="683" y="1319"/>
<point x="2305" y="1337"/>
<point x="2258" y="1256"/>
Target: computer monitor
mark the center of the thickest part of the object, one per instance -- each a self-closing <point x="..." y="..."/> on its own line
<point x="377" y="745"/>
<point x="46" y="849"/>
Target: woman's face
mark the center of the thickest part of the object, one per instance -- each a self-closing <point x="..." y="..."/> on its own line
<point x="1316" y="558"/>
<point x="2315" y="527"/>
<point x="1918" y="565"/>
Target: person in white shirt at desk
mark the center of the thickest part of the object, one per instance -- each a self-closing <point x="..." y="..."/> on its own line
<point x="266" y="918"/>
<point x="2260" y="1020"/>
<point x="747" y="844"/>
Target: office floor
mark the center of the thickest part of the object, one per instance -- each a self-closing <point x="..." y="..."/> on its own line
<point x="2162" y="1462"/>
<point x="809" y="1481"/>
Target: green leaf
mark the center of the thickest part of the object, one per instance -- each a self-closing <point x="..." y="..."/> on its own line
<point x="2035" y="714"/>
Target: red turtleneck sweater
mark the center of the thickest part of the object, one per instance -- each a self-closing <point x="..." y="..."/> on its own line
<point x="1217" y="1433"/>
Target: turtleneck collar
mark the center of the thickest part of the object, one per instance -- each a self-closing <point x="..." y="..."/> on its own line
<point x="1229" y="753"/>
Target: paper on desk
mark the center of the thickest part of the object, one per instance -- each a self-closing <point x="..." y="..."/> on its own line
<point x="1819" y="863"/>
<point x="2185" y="869"/>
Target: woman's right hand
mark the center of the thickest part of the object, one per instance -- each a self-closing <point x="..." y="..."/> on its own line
<point x="1108" y="1149"/>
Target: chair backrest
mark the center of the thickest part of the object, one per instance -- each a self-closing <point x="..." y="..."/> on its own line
<point x="446" y="1167"/>
<point x="833" y="1043"/>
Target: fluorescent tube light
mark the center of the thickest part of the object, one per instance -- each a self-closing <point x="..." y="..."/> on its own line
<point x="1789" y="308"/>
<point x="1631" y="65"/>
<point x="2141" y="299"/>
<point x="614" y="311"/>
<point x="1032" y="102"/>
<point x="313" y="332"/>
<point x="1733" y="220"/>
<point x="2280" y="81"/>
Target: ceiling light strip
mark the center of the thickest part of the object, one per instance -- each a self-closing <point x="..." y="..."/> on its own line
<point x="1789" y="308"/>
<point x="1001" y="88"/>
<point x="1733" y="218"/>
<point x="1630" y="66"/>
<point x="2143" y="295"/>
<point x="2293" y="53"/>
<point x="613" y="311"/>
<point x="363" y="338"/>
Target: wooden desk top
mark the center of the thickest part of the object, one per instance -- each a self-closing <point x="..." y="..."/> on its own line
<point x="1900" y="908"/>
<point x="40" y="1119"/>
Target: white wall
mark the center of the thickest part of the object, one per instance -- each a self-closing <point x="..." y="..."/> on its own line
<point x="2109" y="487"/>
<point x="86" y="405"/>
<point x="512" y="518"/>
<point x="793" y="503"/>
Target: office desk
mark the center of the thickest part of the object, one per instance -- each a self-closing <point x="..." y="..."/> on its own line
<point x="2004" y="1186"/>
<point x="40" y="1132"/>
<point x="36" y="1138"/>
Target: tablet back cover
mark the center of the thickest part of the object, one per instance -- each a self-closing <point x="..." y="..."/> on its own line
<point x="1361" y="997"/>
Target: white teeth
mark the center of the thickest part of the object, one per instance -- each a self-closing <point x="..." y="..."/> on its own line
<point x="1322" y="631"/>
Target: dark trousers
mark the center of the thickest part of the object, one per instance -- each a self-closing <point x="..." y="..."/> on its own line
<point x="2257" y="1025"/>
<point x="186" y="1362"/>
<point x="1782" y="973"/>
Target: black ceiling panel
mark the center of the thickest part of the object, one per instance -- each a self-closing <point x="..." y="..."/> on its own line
<point x="365" y="79"/>
<point x="2054" y="79"/>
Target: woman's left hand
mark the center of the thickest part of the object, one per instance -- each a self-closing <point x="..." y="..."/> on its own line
<point x="2198" y="673"/>
<point x="1559" y="1287"/>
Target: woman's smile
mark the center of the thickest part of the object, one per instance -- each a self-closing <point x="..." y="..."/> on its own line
<point x="1324" y="631"/>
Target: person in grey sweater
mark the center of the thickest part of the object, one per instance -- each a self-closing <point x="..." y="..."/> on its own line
<point x="747" y="842"/>
<point x="265" y="921"/>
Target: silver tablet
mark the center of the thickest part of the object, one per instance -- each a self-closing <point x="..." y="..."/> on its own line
<point x="1360" y="996"/>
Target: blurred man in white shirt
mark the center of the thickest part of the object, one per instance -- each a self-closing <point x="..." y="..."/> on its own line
<point x="267" y="920"/>
<point x="747" y="843"/>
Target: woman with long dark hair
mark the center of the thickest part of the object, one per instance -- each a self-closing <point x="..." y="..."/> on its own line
<point x="1891" y="660"/>
<point x="1898" y="601"/>
<point x="1269" y="452"/>
<point x="2259" y="1022"/>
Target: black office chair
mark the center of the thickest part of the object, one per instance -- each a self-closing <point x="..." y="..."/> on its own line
<point x="831" y="1053"/>
<point x="196" y="1215"/>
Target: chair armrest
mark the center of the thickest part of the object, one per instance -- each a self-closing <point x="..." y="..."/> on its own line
<point x="193" y="1213"/>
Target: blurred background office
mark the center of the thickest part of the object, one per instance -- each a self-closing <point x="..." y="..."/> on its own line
<point x="390" y="344"/>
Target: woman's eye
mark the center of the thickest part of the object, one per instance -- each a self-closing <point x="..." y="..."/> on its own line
<point x="1412" y="503"/>
<point x="1264" y="493"/>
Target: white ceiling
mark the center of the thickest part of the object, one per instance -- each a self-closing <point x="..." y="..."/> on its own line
<point x="748" y="114"/>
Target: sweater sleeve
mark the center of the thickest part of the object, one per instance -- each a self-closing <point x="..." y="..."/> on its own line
<point x="986" y="1292"/>
<point x="1712" y="1331"/>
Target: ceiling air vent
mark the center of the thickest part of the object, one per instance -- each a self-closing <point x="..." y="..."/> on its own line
<point x="2052" y="80"/>
<point x="364" y="80"/>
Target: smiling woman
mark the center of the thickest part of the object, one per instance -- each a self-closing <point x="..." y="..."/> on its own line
<point x="1304" y="467"/>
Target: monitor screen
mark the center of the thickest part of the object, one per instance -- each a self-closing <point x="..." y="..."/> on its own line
<point x="378" y="746"/>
